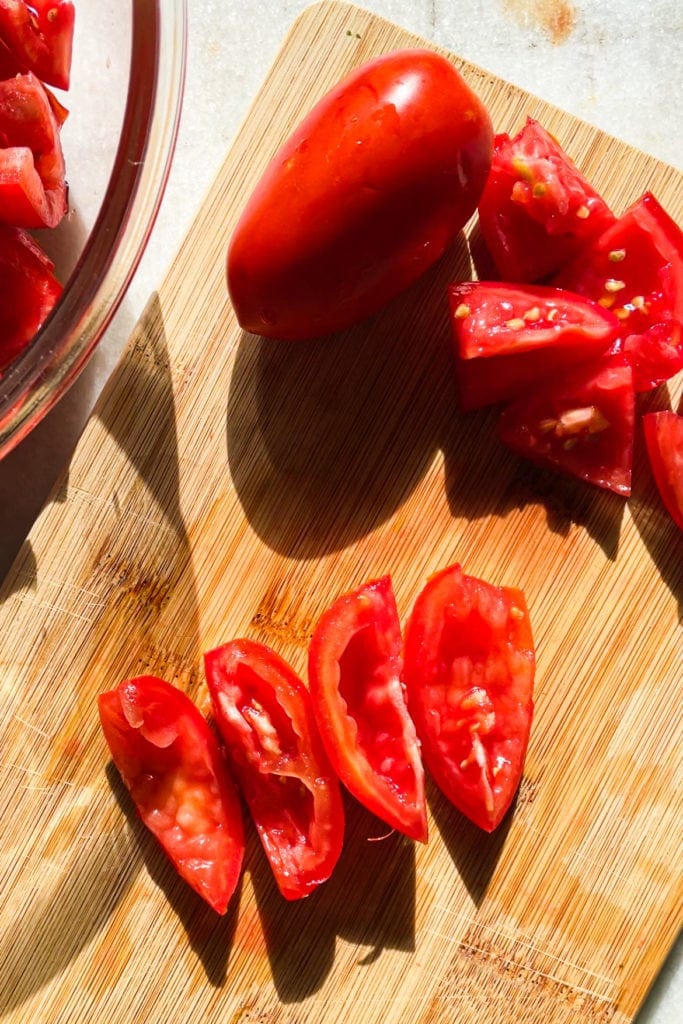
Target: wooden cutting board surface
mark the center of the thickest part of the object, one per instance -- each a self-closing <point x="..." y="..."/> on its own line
<point x="228" y="486"/>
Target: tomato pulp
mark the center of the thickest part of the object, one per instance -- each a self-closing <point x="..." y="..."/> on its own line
<point x="469" y="671"/>
<point x="170" y="761"/>
<point x="264" y="715"/>
<point x="364" y="197"/>
<point x="355" y="676"/>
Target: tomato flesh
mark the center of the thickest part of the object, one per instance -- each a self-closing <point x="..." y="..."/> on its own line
<point x="469" y="672"/>
<point x="264" y="715"/>
<point x="355" y="670"/>
<point x="507" y="338"/>
<point x="664" y="441"/>
<point x="582" y="425"/>
<point x="364" y="197"/>
<point x="635" y="269"/>
<point x="170" y="761"/>
<point x="537" y="209"/>
<point x="28" y="291"/>
<point x="32" y="184"/>
<point x="39" y="35"/>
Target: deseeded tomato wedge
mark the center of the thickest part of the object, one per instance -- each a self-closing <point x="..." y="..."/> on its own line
<point x="469" y="672"/>
<point x="354" y="667"/>
<point x="537" y="209"/>
<point x="170" y="761"/>
<point x="635" y="269"/>
<point x="664" y="441"/>
<point x="32" y="185"/>
<point x="582" y="425"/>
<point x="40" y="36"/>
<point x="366" y="195"/>
<point x="264" y="715"/>
<point x="507" y="338"/>
<point x="28" y="291"/>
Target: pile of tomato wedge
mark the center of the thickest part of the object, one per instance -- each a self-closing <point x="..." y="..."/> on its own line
<point x="35" y="53"/>
<point x="587" y="315"/>
<point x="455" y="688"/>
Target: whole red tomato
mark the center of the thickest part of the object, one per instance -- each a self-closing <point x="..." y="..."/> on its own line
<point x="365" y="196"/>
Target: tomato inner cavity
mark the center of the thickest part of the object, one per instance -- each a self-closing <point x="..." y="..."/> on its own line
<point x="370" y="685"/>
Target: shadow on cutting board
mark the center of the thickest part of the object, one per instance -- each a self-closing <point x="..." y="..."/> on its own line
<point x="143" y="617"/>
<point x="369" y="901"/>
<point x="327" y="438"/>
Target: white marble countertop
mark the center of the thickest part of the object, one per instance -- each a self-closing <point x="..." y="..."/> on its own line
<point x="619" y="66"/>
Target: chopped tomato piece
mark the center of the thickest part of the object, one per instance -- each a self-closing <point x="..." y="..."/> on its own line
<point x="537" y="209"/>
<point x="28" y="291"/>
<point x="507" y="338"/>
<point x="582" y="425"/>
<point x="359" y="703"/>
<point x="264" y="715"/>
<point x="170" y="761"/>
<point x="635" y="269"/>
<point x="32" y="185"/>
<point x="39" y="35"/>
<point x="664" y="440"/>
<point x="469" y="672"/>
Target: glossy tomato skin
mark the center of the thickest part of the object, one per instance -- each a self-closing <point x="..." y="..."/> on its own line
<point x="664" y="441"/>
<point x="469" y="672"/>
<point x="264" y="715"/>
<point x="635" y="269"/>
<point x="582" y="424"/>
<point x="509" y="338"/>
<point x="32" y="183"/>
<point x="355" y="678"/>
<point x="537" y="209"/>
<point x="39" y="34"/>
<point x="28" y="291"/>
<point x="364" y="197"/>
<point x="171" y="763"/>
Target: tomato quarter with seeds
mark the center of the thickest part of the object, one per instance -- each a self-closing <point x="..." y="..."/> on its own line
<point x="469" y="672"/>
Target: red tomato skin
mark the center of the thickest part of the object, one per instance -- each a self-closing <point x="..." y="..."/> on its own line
<point x="664" y="441"/>
<point x="264" y="715"/>
<point x="164" y="750"/>
<point x="354" y="669"/>
<point x="39" y="34"/>
<point x="500" y="352"/>
<point x="28" y="291"/>
<point x="537" y="209"/>
<point x="582" y="425"/>
<point x="635" y="268"/>
<point x="366" y="195"/>
<point x="469" y="671"/>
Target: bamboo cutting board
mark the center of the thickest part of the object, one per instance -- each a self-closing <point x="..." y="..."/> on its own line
<point x="228" y="486"/>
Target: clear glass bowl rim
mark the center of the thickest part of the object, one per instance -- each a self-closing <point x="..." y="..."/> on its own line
<point x="36" y="380"/>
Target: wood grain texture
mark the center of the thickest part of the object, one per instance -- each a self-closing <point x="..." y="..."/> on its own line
<point x="231" y="486"/>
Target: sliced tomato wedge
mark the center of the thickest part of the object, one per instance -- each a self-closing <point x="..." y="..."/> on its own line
<point x="28" y="291"/>
<point x="664" y="441"/>
<point x="264" y="715"/>
<point x="170" y="761"/>
<point x="537" y="209"/>
<point x="355" y="668"/>
<point x="469" y="672"/>
<point x="635" y="269"/>
<point x="39" y="34"/>
<point x="507" y="338"/>
<point x="32" y="184"/>
<point x="582" y="425"/>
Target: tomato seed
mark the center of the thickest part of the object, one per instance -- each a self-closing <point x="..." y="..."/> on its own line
<point x="533" y="314"/>
<point x="616" y="255"/>
<point x="612" y="285"/>
<point x="583" y="212"/>
<point x="462" y="311"/>
<point x="515" y="324"/>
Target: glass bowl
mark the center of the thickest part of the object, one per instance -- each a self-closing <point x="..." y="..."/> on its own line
<point x="124" y="102"/>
